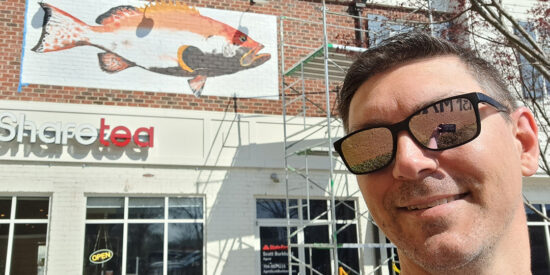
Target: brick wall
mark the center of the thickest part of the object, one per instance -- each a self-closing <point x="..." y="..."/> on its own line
<point x="300" y="38"/>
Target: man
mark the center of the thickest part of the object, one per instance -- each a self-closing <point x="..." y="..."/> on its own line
<point x="439" y="148"/>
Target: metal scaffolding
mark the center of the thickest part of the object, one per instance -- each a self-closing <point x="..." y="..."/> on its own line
<point x="298" y="144"/>
<point x="329" y="63"/>
<point x="308" y="138"/>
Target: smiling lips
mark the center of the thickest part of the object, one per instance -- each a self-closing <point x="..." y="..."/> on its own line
<point x="436" y="202"/>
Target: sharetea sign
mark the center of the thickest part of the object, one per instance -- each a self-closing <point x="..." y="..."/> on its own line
<point x="16" y="127"/>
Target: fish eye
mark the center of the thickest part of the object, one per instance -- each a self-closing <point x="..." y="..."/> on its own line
<point x="243" y="38"/>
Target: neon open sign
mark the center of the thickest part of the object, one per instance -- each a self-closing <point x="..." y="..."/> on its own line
<point x="101" y="256"/>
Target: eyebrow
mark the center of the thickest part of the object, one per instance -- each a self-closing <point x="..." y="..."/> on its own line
<point x="370" y="124"/>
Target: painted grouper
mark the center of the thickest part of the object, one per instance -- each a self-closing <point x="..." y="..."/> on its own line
<point x="165" y="38"/>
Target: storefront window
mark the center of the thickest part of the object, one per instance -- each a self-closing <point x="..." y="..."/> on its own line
<point x="539" y="237"/>
<point x="185" y="208"/>
<point x="147" y="233"/>
<point x="347" y="233"/>
<point x="185" y="248"/>
<point x="32" y="208"/>
<point x="29" y="249"/>
<point x="317" y="209"/>
<point x="28" y="216"/>
<point x="103" y="237"/>
<point x="105" y="208"/>
<point x="275" y="209"/>
<point x="145" y="248"/>
<point x="345" y="210"/>
<point x="5" y="206"/>
<point x="146" y="208"/>
<point x="4" y="235"/>
<point x="318" y="258"/>
<point x="272" y="229"/>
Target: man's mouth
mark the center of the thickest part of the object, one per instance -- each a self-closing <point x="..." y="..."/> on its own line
<point x="436" y="202"/>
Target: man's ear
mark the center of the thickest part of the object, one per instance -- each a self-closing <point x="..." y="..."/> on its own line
<point x="526" y="134"/>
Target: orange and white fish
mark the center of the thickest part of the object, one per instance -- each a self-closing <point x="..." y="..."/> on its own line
<point x="165" y="38"/>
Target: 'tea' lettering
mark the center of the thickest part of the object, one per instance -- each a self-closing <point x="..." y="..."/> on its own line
<point x="121" y="135"/>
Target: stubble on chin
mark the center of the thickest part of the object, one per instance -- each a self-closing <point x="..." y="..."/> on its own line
<point x="449" y="261"/>
<point x="430" y="245"/>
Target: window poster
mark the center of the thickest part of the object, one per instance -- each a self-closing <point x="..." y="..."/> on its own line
<point x="274" y="251"/>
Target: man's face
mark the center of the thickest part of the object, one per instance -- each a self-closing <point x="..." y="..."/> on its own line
<point x="464" y="198"/>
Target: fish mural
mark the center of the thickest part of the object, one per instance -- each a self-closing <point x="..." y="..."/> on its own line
<point x="199" y="47"/>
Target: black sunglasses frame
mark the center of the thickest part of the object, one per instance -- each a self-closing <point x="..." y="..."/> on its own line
<point x="474" y="98"/>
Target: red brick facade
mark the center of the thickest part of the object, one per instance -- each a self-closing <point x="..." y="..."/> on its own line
<point x="296" y="33"/>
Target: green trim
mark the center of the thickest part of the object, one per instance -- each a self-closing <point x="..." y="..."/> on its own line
<point x="304" y="61"/>
<point x="308" y="59"/>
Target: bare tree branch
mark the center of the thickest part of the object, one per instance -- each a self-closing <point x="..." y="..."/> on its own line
<point x="454" y="16"/>
<point x="536" y="58"/>
<point x="517" y="26"/>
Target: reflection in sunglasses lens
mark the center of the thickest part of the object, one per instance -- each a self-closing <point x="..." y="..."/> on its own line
<point x="444" y="124"/>
<point x="368" y="150"/>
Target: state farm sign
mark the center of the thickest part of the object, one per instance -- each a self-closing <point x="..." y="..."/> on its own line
<point x="12" y="127"/>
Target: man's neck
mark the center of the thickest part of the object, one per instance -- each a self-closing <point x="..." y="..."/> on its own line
<point x="513" y="254"/>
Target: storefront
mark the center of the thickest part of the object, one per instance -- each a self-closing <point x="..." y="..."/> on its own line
<point x="123" y="191"/>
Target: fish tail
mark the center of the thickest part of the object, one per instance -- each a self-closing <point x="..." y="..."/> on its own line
<point x="60" y="31"/>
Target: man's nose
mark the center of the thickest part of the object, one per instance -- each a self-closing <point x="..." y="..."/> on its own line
<point x="412" y="161"/>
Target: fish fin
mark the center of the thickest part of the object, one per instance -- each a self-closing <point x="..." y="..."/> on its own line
<point x="117" y="13"/>
<point x="60" y="31"/>
<point x="113" y="63"/>
<point x="197" y="84"/>
<point x="184" y="52"/>
<point x="179" y="6"/>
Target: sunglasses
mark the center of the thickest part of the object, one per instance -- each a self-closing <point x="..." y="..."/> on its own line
<point x="442" y="125"/>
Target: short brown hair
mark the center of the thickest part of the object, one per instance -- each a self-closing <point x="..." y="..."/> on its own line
<point x="410" y="46"/>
